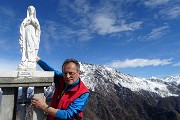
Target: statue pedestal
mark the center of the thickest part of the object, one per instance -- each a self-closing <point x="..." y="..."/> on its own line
<point x="10" y="81"/>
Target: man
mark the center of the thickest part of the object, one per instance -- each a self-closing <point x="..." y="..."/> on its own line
<point x="70" y="95"/>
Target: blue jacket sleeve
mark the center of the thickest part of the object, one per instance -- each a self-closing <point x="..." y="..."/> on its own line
<point x="47" y="67"/>
<point x="74" y="108"/>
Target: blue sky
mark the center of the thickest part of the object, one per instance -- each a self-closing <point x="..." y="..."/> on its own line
<point x="137" y="37"/>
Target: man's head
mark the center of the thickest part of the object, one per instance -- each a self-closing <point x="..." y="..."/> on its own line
<point x="71" y="71"/>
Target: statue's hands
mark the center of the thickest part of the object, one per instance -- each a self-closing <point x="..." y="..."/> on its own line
<point x="34" y="22"/>
<point x="27" y="22"/>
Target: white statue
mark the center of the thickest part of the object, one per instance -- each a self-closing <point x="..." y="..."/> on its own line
<point x="29" y="40"/>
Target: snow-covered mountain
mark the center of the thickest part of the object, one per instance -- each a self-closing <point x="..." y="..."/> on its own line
<point x="173" y="79"/>
<point x="115" y="96"/>
<point x="92" y="75"/>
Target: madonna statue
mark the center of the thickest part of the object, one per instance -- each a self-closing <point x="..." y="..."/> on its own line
<point x="29" y="40"/>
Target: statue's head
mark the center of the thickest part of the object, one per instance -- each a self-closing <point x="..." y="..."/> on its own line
<point x="31" y="11"/>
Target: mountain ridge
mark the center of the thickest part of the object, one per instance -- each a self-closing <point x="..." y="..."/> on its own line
<point x="91" y="74"/>
<point x="118" y="96"/>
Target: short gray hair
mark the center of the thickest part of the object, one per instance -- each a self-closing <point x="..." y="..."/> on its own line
<point x="73" y="61"/>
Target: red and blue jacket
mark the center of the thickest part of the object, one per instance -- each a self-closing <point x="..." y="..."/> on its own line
<point x="73" y="100"/>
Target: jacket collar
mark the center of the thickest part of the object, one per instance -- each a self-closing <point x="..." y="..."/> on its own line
<point x="72" y="86"/>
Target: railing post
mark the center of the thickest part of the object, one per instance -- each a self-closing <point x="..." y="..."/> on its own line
<point x="8" y="103"/>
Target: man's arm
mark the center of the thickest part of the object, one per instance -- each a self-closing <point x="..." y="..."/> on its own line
<point x="47" y="67"/>
<point x="74" y="108"/>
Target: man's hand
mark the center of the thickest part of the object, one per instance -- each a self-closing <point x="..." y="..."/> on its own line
<point x="40" y="103"/>
<point x="37" y="58"/>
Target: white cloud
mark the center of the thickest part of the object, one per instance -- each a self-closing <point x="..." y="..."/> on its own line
<point x="7" y="11"/>
<point x="105" y="24"/>
<point x="51" y="30"/>
<point x="55" y="31"/>
<point x="81" y="6"/>
<point x="156" y="33"/>
<point x="154" y="3"/>
<point x="171" y="12"/>
<point x="78" y="6"/>
<point x="105" y="18"/>
<point x="4" y="28"/>
<point x="4" y="45"/>
<point x="138" y="63"/>
<point x="177" y="64"/>
<point x="84" y="35"/>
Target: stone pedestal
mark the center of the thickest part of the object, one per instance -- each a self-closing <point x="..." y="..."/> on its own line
<point x="10" y="81"/>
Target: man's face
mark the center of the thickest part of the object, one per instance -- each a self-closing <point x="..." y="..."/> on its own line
<point x="70" y="73"/>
